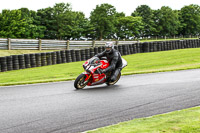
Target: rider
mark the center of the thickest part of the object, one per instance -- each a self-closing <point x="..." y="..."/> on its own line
<point x="114" y="58"/>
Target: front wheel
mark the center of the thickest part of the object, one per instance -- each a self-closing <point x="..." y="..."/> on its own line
<point x="80" y="83"/>
<point x="112" y="83"/>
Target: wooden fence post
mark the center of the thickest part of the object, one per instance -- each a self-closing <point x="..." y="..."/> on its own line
<point x="67" y="44"/>
<point x="40" y="44"/>
<point x="93" y="43"/>
<point x="9" y="44"/>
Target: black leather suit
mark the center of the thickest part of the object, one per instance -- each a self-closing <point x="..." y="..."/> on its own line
<point x="115" y="60"/>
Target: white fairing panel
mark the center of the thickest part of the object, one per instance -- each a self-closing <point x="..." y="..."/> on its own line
<point x="124" y="63"/>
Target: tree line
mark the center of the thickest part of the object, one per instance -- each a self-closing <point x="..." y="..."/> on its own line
<point x="61" y="22"/>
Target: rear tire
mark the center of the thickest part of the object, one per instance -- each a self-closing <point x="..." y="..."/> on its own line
<point x="79" y="82"/>
<point x="112" y="83"/>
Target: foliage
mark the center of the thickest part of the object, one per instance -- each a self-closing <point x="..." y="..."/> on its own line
<point x="129" y="27"/>
<point x="103" y="19"/>
<point x="167" y="21"/>
<point x="61" y="22"/>
<point x="12" y="24"/>
<point x="147" y="15"/>
<point x="190" y="20"/>
<point x="20" y="23"/>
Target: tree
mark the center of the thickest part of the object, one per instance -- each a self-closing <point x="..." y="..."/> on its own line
<point x="61" y="22"/>
<point x="46" y="19"/>
<point x="33" y="29"/>
<point x="52" y="19"/>
<point x="74" y="25"/>
<point x="190" y="20"/>
<point x="20" y="24"/>
<point x="167" y="21"/>
<point x="129" y="27"/>
<point x="103" y="18"/>
<point x="12" y="25"/>
<point x="147" y="15"/>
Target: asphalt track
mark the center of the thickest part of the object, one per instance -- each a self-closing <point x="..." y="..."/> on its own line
<point x="58" y="108"/>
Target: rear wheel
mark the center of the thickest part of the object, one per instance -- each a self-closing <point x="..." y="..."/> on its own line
<point x="112" y="83"/>
<point x="80" y="83"/>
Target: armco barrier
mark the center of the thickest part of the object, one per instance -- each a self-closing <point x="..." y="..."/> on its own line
<point x="40" y="44"/>
<point x="16" y="62"/>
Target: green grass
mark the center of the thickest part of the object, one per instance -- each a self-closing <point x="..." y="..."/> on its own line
<point x="137" y="63"/>
<point x="184" y="121"/>
<point x="163" y="61"/>
<point x="18" y="52"/>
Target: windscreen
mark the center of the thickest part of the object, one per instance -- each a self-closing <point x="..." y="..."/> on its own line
<point x="95" y="61"/>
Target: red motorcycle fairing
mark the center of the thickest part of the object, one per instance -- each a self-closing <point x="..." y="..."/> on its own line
<point x="105" y="64"/>
<point x="87" y="74"/>
<point x="95" y="73"/>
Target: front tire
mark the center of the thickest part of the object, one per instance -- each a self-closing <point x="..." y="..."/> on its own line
<point x="79" y="83"/>
<point x="112" y="83"/>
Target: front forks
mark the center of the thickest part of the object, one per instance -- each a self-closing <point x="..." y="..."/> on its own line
<point x="88" y="75"/>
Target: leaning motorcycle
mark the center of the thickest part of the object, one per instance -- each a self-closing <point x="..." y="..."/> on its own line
<point x="93" y="73"/>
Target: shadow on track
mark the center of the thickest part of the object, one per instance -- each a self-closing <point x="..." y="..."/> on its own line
<point x="100" y="88"/>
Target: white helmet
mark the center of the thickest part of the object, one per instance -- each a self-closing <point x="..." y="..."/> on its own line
<point x="109" y="45"/>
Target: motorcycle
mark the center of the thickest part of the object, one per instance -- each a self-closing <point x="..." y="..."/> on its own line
<point x="93" y="73"/>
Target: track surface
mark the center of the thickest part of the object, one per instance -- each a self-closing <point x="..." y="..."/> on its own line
<point x="57" y="107"/>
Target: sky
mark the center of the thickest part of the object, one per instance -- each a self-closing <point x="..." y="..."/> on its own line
<point x="86" y="6"/>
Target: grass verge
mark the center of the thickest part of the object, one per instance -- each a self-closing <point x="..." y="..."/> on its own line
<point x="137" y="63"/>
<point x="184" y="121"/>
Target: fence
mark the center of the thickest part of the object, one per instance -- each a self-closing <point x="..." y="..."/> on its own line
<point x="16" y="62"/>
<point x="33" y="44"/>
